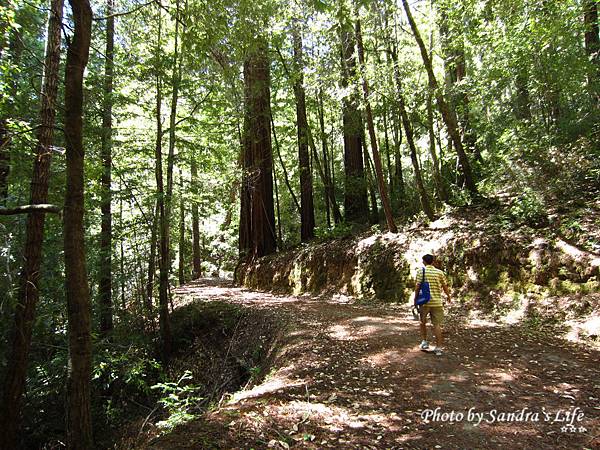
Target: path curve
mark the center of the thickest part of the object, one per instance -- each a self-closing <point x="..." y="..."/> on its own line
<point x="351" y="376"/>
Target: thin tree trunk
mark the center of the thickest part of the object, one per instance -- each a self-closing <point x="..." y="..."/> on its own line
<point x="283" y="168"/>
<point x="196" y="259"/>
<point x="307" y="210"/>
<point x="163" y="314"/>
<point x="28" y="295"/>
<point x="278" y="210"/>
<point x="389" y="217"/>
<point x="425" y="204"/>
<point x="592" y="47"/>
<point x="122" y="255"/>
<point x="105" y="269"/>
<point x="152" y="260"/>
<point x="447" y="114"/>
<point x="79" y="421"/>
<point x="437" y="178"/>
<point x="374" y="213"/>
<point x="325" y="158"/>
<point x="311" y="143"/>
<point x="355" y="187"/>
<point x="181" y="268"/>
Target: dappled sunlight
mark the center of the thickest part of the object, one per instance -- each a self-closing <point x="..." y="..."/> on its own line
<point x="274" y="384"/>
<point x="352" y="376"/>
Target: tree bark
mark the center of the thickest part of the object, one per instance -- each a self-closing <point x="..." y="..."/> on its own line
<point x="325" y="158"/>
<point x="152" y="260"/>
<point x="355" y="186"/>
<point x="389" y="217"/>
<point x="28" y="294"/>
<point x="105" y="270"/>
<point x="79" y="422"/>
<point x="164" y="261"/>
<point x="447" y="113"/>
<point x="592" y="47"/>
<point x="196" y="258"/>
<point x="181" y="268"/>
<point x="437" y="177"/>
<point x="258" y="160"/>
<point x="307" y="210"/>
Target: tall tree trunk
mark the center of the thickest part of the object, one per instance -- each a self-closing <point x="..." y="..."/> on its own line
<point x="28" y="295"/>
<point x="307" y="210"/>
<point x="181" y="268"/>
<point x="355" y="187"/>
<point x="105" y="270"/>
<point x="4" y="160"/>
<point x="437" y="177"/>
<point x="164" y="260"/>
<point x="4" y="134"/>
<point x="283" y="168"/>
<point x="122" y="250"/>
<point x="79" y="421"/>
<point x="592" y="46"/>
<point x="258" y="158"/>
<point x="325" y="158"/>
<point x="152" y="259"/>
<point x="447" y="113"/>
<point x="196" y="259"/>
<point x="278" y="209"/>
<point x="425" y="203"/>
<point x="389" y="217"/>
<point x="374" y="209"/>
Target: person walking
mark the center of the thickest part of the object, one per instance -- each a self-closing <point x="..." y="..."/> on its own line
<point x="434" y="307"/>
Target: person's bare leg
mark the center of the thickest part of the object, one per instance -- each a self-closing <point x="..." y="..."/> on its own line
<point x="439" y="337"/>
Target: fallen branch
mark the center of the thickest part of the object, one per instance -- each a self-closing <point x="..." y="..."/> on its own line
<point x="26" y="209"/>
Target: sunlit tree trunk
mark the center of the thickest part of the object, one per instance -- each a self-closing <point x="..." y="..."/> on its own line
<point x="371" y="127"/>
<point x="28" y="295"/>
<point x="105" y="270"/>
<point x="447" y="114"/>
<point x="79" y="422"/>
<point x="164" y="260"/>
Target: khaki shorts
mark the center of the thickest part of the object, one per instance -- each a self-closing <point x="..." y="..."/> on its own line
<point x="436" y="313"/>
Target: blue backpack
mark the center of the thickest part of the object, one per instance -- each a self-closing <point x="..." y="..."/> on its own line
<point x="424" y="294"/>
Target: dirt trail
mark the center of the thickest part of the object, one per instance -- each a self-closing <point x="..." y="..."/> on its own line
<point x="352" y="376"/>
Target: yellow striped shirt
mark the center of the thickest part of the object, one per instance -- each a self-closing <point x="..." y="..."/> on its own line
<point x="436" y="278"/>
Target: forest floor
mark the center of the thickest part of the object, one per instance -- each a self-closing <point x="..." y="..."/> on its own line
<point x="351" y="375"/>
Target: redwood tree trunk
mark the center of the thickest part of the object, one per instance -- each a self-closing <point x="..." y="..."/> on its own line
<point x="79" y="423"/>
<point x="307" y="210"/>
<point x="105" y="270"/>
<point x="28" y="295"/>
<point x="447" y="113"/>
<point x="355" y="187"/>
<point x="257" y="151"/>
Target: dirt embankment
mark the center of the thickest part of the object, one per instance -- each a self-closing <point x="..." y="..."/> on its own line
<point x="498" y="269"/>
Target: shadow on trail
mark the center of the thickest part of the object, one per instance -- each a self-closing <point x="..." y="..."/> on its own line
<point x="352" y="376"/>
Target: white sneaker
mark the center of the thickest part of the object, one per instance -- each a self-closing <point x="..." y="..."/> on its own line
<point x="438" y="351"/>
<point x="424" y="345"/>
